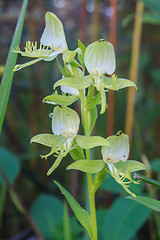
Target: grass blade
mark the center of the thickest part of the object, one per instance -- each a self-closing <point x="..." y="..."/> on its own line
<point x="11" y="61"/>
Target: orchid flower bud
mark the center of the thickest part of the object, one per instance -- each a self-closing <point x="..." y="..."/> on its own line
<point x="65" y="122"/>
<point x="53" y="35"/>
<point x="119" y="148"/>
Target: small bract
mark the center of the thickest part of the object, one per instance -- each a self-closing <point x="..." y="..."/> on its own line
<point x="65" y="122"/>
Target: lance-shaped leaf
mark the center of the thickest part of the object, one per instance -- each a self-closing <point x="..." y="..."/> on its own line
<point x="91" y="142"/>
<point x="80" y="213"/>
<point x="130" y="165"/>
<point x="48" y="140"/>
<point x="87" y="166"/>
<point x="78" y="83"/>
<point x="147" y="202"/>
<point x="117" y="83"/>
<point x="81" y="54"/>
<point x="60" y="99"/>
<point x="55" y="165"/>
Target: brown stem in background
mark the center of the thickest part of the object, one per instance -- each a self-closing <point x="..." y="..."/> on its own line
<point x="95" y="21"/>
<point x="83" y="22"/>
<point x="134" y="68"/>
<point x="24" y="211"/>
<point x="112" y="39"/>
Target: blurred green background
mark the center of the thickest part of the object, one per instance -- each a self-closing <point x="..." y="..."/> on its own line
<point x="27" y="116"/>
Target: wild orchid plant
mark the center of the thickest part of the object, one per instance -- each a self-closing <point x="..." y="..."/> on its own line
<point x="99" y="60"/>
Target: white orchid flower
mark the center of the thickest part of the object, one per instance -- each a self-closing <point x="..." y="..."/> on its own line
<point x="52" y="43"/>
<point x="99" y="60"/>
<point x="116" y="159"/>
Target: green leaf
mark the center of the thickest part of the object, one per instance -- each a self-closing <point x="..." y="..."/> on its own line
<point x="55" y="165"/>
<point x="81" y="55"/>
<point x="147" y="202"/>
<point x="151" y="17"/>
<point x="6" y="82"/>
<point x="78" y="83"/>
<point x="77" y="153"/>
<point x="99" y="178"/>
<point x="130" y="165"/>
<point x="118" y="83"/>
<point x="49" y="210"/>
<point x="93" y="117"/>
<point x="152" y="4"/>
<point x="48" y="140"/>
<point x="60" y="100"/>
<point x="87" y="166"/>
<point x="91" y="142"/>
<point x="61" y="68"/>
<point x="94" y="101"/>
<point x="147" y="180"/>
<point x="124" y="219"/>
<point x="10" y="165"/>
<point x="80" y="213"/>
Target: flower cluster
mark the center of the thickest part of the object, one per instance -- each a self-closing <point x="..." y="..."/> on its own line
<point x="99" y="60"/>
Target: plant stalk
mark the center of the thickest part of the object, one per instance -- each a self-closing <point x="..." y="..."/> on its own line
<point x="91" y="192"/>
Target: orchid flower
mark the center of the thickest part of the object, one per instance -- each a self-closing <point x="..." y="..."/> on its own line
<point x="65" y="125"/>
<point x="116" y="159"/>
<point x="52" y="43"/>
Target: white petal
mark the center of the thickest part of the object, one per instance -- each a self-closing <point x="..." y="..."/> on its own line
<point x="53" y="35"/>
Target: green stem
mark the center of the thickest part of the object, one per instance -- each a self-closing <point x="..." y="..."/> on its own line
<point x="91" y="192"/>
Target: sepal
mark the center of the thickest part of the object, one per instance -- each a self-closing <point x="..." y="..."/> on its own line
<point x="91" y="142"/>
<point x="57" y="99"/>
<point x="87" y="166"/>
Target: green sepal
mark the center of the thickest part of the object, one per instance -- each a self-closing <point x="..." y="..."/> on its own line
<point x="91" y="141"/>
<point x="93" y="117"/>
<point x="99" y="178"/>
<point x="117" y="83"/>
<point x="130" y="165"/>
<point x="68" y="56"/>
<point x="104" y="104"/>
<point x="48" y="140"/>
<point x="81" y="55"/>
<point x="80" y="213"/>
<point x="77" y="153"/>
<point x="87" y="166"/>
<point x="60" y="99"/>
<point x="94" y="101"/>
<point x="55" y="165"/>
<point x="78" y="82"/>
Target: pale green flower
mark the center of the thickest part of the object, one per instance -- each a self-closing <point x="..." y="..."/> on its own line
<point x="99" y="60"/>
<point x="52" y="43"/>
<point x="116" y="159"/>
<point x="65" y="122"/>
